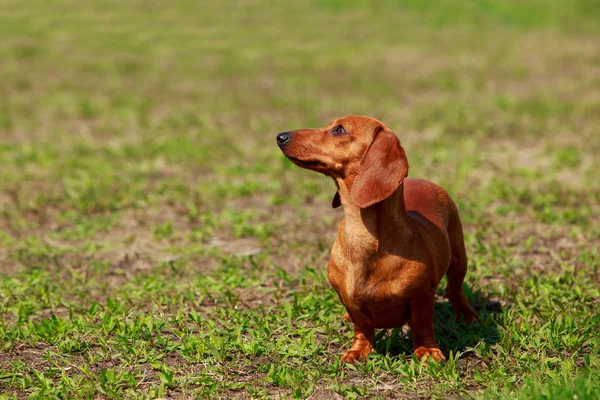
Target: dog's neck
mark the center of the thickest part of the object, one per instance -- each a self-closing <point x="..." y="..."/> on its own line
<point x="365" y="231"/>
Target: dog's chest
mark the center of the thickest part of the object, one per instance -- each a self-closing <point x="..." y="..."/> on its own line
<point x="386" y="313"/>
<point x="383" y="296"/>
<point x="384" y="300"/>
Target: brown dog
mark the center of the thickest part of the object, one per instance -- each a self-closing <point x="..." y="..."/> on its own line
<point x="398" y="236"/>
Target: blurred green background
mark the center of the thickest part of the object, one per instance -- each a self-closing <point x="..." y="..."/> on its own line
<point x="155" y="243"/>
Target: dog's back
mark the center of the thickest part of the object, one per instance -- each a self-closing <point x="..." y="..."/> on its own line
<point x="429" y="200"/>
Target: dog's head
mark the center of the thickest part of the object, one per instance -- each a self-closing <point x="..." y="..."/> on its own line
<point x="361" y="151"/>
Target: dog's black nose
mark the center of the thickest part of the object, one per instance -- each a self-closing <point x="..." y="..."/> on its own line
<point x="283" y="138"/>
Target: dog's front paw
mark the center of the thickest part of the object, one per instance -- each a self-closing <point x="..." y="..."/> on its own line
<point x="360" y="353"/>
<point x="433" y="353"/>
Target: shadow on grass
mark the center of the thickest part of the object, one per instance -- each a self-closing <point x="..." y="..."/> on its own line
<point x="450" y="335"/>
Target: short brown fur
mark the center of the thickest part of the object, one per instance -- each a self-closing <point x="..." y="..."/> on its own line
<point x="397" y="238"/>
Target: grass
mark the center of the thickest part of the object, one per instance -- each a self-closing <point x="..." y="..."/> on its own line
<point x="155" y="243"/>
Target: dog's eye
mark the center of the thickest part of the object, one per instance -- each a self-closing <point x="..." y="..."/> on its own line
<point x="338" y="131"/>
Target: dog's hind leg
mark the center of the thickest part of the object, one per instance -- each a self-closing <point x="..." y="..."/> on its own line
<point x="457" y="271"/>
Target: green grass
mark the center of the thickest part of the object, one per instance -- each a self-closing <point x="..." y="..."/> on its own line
<point x="155" y="243"/>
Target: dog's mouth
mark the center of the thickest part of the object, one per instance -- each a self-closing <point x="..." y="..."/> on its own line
<point x="307" y="163"/>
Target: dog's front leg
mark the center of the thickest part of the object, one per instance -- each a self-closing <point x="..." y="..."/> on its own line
<point x="421" y="323"/>
<point x="364" y="336"/>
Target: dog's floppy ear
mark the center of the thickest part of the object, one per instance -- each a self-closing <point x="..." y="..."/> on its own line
<point x="381" y="171"/>
<point x="336" y="202"/>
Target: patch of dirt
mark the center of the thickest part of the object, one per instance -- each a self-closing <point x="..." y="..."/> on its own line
<point x="29" y="355"/>
<point x="324" y="394"/>
<point x="8" y="266"/>
<point x="552" y="248"/>
<point x="240" y="247"/>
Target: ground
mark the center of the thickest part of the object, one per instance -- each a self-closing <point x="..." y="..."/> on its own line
<point x="155" y="243"/>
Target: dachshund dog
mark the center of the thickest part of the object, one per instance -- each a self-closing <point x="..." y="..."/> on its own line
<point x="397" y="238"/>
